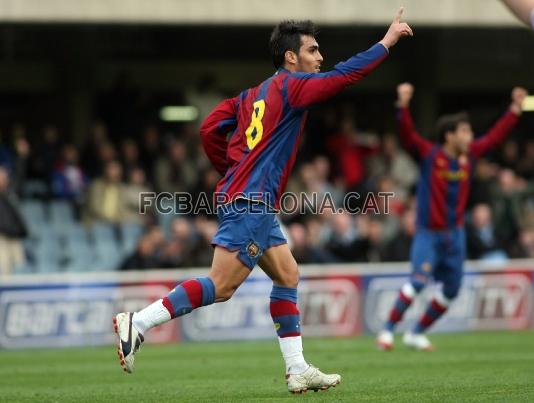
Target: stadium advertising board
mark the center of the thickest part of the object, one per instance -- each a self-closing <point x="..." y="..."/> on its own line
<point x="329" y="306"/>
<point x="487" y="301"/>
<point x="61" y="315"/>
<point x="333" y="301"/>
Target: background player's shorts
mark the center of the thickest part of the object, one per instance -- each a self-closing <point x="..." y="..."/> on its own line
<point x="249" y="227"/>
<point x="439" y="255"/>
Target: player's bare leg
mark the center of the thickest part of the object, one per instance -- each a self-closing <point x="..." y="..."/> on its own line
<point x="226" y="275"/>
<point x="278" y="263"/>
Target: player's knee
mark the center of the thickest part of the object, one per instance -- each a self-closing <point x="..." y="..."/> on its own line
<point x="418" y="284"/>
<point x="451" y="291"/>
<point x="290" y="276"/>
<point x="224" y="292"/>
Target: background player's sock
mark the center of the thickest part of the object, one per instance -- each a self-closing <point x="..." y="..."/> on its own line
<point x="189" y="295"/>
<point x="437" y="307"/>
<point x="286" y="318"/>
<point x="403" y="302"/>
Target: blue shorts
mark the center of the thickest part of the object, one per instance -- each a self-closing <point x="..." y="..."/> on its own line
<point x="439" y="255"/>
<point x="248" y="227"/>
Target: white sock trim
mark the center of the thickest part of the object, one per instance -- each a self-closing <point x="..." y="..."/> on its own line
<point x="442" y="299"/>
<point x="153" y="315"/>
<point x="291" y="348"/>
<point x="408" y="290"/>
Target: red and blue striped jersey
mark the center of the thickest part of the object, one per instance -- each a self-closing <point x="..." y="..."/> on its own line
<point x="444" y="182"/>
<point x="252" y="139"/>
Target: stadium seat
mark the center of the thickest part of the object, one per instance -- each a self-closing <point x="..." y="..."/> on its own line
<point x="130" y="234"/>
<point x="61" y="213"/>
<point x="34" y="214"/>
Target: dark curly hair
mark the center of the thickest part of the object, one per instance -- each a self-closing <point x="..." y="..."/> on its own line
<point x="286" y="36"/>
<point x="449" y="123"/>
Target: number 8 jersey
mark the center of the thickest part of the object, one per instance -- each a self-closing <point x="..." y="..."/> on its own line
<point x="253" y="139"/>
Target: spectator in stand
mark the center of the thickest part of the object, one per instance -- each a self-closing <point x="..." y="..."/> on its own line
<point x="21" y="162"/>
<point x="482" y="242"/>
<point x="398" y="249"/>
<point x="509" y="155"/>
<point x="129" y="197"/>
<point x="129" y="156"/>
<point x="343" y="241"/>
<point x="203" y="251"/>
<point x="152" y="150"/>
<point x="304" y="247"/>
<point x="68" y="179"/>
<point x="525" y="166"/>
<point x="508" y="197"/>
<point x="5" y="153"/>
<point x="104" y="199"/>
<point x="106" y="154"/>
<point x="174" y="172"/>
<point x="147" y="255"/>
<point x="395" y="163"/>
<point x="349" y="150"/>
<point x="12" y="228"/>
<point x="91" y="154"/>
<point x="178" y="250"/>
<point x="374" y="244"/>
<point x="205" y="188"/>
<point x="524" y="248"/>
<point x="47" y="153"/>
<point x="484" y="179"/>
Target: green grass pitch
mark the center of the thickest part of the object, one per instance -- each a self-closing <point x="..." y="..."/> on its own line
<point x="474" y="367"/>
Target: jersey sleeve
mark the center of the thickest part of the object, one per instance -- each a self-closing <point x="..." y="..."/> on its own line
<point x="214" y="131"/>
<point x="411" y="139"/>
<point x="306" y="89"/>
<point x="495" y="135"/>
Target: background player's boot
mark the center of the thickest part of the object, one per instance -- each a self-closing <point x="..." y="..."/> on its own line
<point x="311" y="379"/>
<point x="130" y="340"/>
<point x="418" y="341"/>
<point x="384" y="340"/>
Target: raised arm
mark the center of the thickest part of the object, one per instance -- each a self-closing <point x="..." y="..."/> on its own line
<point x="523" y="9"/>
<point x="503" y="127"/>
<point x="214" y="131"/>
<point x="306" y="89"/>
<point x="412" y="140"/>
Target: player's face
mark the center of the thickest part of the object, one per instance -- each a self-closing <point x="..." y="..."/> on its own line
<point x="463" y="137"/>
<point x="309" y="58"/>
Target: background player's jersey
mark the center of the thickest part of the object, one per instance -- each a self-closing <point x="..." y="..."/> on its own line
<point x="266" y="123"/>
<point x="444" y="182"/>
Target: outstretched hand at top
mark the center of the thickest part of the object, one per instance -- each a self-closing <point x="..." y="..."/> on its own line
<point x="396" y="30"/>
<point x="518" y="97"/>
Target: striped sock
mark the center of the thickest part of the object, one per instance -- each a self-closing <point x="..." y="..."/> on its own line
<point x="190" y="295"/>
<point x="437" y="307"/>
<point x="183" y="299"/>
<point x="403" y="302"/>
<point x="286" y="318"/>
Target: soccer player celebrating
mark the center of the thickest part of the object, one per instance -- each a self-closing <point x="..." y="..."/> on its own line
<point x="438" y="249"/>
<point x="252" y="140"/>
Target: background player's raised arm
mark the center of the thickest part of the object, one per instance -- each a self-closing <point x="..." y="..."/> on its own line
<point x="306" y="89"/>
<point x="504" y="125"/>
<point x="411" y="139"/>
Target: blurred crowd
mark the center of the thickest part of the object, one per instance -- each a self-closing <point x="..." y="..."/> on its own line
<point x="102" y="179"/>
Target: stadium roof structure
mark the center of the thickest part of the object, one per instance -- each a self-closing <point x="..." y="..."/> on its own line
<point x="247" y="12"/>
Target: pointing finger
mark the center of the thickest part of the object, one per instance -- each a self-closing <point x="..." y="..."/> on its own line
<point x="399" y="14"/>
